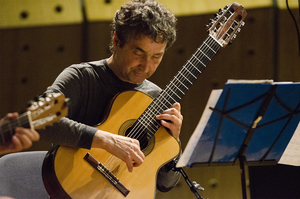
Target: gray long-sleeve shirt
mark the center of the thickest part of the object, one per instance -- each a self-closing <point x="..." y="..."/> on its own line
<point x="90" y="87"/>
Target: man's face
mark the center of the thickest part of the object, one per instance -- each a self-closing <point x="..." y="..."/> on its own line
<point x="138" y="59"/>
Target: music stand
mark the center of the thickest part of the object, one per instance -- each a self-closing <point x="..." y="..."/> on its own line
<point x="248" y="122"/>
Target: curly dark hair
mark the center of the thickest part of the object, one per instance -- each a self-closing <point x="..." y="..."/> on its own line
<point x="147" y="17"/>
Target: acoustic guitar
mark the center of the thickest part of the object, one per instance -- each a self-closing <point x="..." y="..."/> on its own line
<point x="81" y="173"/>
<point x="41" y="113"/>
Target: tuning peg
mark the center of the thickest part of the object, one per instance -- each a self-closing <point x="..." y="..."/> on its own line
<point x="206" y="27"/>
<point x="58" y="113"/>
<point x="233" y="37"/>
<point x="67" y="101"/>
<point x="45" y="95"/>
<point x="221" y="11"/>
<point x="29" y="103"/>
<point x="226" y="7"/>
<point x="36" y="98"/>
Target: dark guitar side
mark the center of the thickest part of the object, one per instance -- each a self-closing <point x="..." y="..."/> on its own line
<point x="67" y="175"/>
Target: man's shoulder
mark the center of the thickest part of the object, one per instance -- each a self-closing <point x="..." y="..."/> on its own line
<point x="150" y="88"/>
<point x="91" y="64"/>
<point x="152" y="85"/>
<point x="87" y="67"/>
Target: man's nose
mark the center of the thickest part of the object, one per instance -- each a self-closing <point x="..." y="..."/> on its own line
<point x="145" y="64"/>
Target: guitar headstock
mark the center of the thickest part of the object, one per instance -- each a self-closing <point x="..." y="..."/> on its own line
<point x="227" y="23"/>
<point x="47" y="109"/>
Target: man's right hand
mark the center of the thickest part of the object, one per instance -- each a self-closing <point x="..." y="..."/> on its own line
<point x="125" y="148"/>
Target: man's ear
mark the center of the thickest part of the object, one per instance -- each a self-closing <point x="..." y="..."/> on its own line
<point x="116" y="41"/>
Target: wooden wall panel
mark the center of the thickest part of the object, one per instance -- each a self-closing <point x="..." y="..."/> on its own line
<point x="34" y="13"/>
<point x="31" y="59"/>
<point x="97" y="40"/>
<point x="288" y="47"/>
<point x="38" y="40"/>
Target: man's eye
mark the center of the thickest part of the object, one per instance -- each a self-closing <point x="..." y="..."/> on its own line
<point x="138" y="53"/>
<point x="157" y="57"/>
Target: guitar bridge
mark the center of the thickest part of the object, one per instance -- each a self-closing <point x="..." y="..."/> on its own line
<point x="106" y="173"/>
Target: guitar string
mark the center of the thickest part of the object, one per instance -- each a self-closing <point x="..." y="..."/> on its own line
<point x="135" y="132"/>
<point x="7" y="127"/>
<point x="14" y="123"/>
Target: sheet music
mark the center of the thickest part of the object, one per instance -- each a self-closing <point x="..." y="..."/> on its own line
<point x="291" y="155"/>
<point x="188" y="151"/>
<point x="288" y="154"/>
<point x="248" y="81"/>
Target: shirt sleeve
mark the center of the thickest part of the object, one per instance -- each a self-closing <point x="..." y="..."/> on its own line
<point x="67" y="131"/>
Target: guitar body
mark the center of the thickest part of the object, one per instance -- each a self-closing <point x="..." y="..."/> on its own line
<point x="66" y="173"/>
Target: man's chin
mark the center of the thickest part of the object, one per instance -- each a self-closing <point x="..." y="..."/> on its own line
<point x="137" y="80"/>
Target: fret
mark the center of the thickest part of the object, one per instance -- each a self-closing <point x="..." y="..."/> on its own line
<point x="198" y="70"/>
<point x="170" y="96"/>
<point x="177" y="88"/>
<point x="176" y="79"/>
<point x="148" y="126"/>
<point x="209" y="47"/>
<point x="213" y="45"/>
<point x="160" y="103"/>
<point x="184" y="78"/>
<point x="167" y="103"/>
<point x="7" y="128"/>
<point x="199" y="62"/>
<point x="7" y="131"/>
<point x="149" y="114"/>
<point x="205" y="55"/>
<point x="193" y="67"/>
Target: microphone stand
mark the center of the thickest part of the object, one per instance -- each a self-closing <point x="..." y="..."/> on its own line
<point x="194" y="186"/>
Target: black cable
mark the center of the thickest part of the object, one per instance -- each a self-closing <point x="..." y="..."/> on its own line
<point x="296" y="24"/>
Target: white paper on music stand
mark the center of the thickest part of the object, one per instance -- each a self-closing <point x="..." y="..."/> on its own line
<point x="291" y="154"/>
<point x="212" y="101"/>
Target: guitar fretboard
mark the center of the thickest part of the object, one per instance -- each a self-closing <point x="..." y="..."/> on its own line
<point x="176" y="89"/>
<point x="7" y="128"/>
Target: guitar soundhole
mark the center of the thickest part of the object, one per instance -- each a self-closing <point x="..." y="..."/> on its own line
<point x="127" y="129"/>
<point x="139" y="135"/>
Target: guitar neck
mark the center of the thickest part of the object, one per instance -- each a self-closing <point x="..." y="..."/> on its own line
<point x="7" y="128"/>
<point x="188" y="74"/>
<point x="179" y="85"/>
